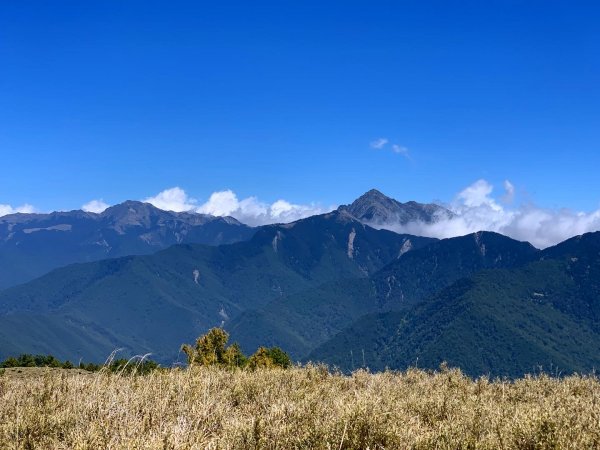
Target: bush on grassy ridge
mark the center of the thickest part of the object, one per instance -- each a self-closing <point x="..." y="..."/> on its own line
<point x="126" y="366"/>
<point x="211" y="350"/>
<point x="28" y="360"/>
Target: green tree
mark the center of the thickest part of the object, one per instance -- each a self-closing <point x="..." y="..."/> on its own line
<point x="234" y="357"/>
<point x="269" y="358"/>
<point x="10" y="362"/>
<point x="46" y="361"/>
<point x="261" y="359"/>
<point x="26" y="360"/>
<point x="129" y="367"/>
<point x="90" y="367"/>
<point x="211" y="350"/>
<point x="280" y="358"/>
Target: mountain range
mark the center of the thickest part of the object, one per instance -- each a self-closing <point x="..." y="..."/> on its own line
<point x="33" y="244"/>
<point x="327" y="288"/>
<point x="154" y="303"/>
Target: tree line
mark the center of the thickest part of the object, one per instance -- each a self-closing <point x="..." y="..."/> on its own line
<point x="210" y="349"/>
<point x="116" y="365"/>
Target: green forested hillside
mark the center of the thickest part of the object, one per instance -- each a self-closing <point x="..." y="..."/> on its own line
<point x="426" y="271"/>
<point x="154" y="303"/>
<point x="502" y="321"/>
<point x="302" y="321"/>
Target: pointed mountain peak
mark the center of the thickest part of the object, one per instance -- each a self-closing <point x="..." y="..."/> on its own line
<point x="376" y="208"/>
<point x="374" y="196"/>
<point x="374" y="193"/>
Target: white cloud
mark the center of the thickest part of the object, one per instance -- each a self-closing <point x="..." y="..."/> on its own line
<point x="379" y="143"/>
<point x="250" y="210"/>
<point x="253" y="212"/>
<point x="509" y="189"/>
<point x="95" y="206"/>
<point x="173" y="199"/>
<point x="7" y="209"/>
<point x="477" y="210"/>
<point x="400" y="150"/>
<point x="222" y="203"/>
<point x="477" y="194"/>
<point x="252" y="207"/>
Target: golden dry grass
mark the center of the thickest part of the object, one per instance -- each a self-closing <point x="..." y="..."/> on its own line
<point x="297" y="408"/>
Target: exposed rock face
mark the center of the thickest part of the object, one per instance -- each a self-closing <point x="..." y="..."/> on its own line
<point x="375" y="208"/>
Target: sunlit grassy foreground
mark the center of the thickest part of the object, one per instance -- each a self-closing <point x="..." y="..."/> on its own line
<point x="296" y="408"/>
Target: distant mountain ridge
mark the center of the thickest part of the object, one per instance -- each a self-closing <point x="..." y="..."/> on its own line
<point x="328" y="288"/>
<point x="154" y="303"/>
<point x="33" y="244"/>
<point x="375" y="208"/>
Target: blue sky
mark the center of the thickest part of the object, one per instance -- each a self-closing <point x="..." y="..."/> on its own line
<point x="122" y="99"/>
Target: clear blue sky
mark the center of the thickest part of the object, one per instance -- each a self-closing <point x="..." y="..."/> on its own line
<point x="122" y="99"/>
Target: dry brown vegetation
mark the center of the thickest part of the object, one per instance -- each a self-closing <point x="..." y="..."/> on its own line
<point x="296" y="408"/>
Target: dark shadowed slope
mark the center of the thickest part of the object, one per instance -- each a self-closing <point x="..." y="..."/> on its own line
<point x="302" y="321"/>
<point x="503" y="322"/>
<point x="425" y="271"/>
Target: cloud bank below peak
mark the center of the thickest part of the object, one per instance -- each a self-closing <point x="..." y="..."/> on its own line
<point x="477" y="210"/>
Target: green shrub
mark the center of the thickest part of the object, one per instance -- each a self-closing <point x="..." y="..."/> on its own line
<point x="10" y="362"/>
<point x="211" y="350"/>
<point x="126" y="366"/>
<point x="279" y="357"/>
<point x="268" y="358"/>
<point x="90" y="367"/>
<point x="234" y="357"/>
<point x="261" y="359"/>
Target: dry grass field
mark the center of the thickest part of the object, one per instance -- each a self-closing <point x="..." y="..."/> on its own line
<point x="297" y="408"/>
